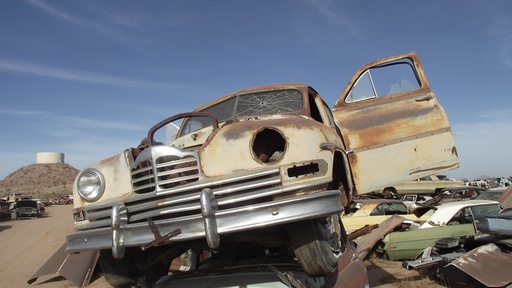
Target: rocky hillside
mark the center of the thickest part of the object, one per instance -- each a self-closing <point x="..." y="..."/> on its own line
<point x="40" y="180"/>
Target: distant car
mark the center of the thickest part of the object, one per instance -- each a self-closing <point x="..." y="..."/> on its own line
<point x="492" y="193"/>
<point x="452" y="219"/>
<point x="375" y="211"/>
<point x="412" y="200"/>
<point x="455" y="193"/>
<point x="27" y="208"/>
<point x="425" y="185"/>
<point x="5" y="212"/>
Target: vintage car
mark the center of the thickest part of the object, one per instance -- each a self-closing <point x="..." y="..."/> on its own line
<point x="452" y="219"/>
<point x="431" y="184"/>
<point x="271" y="165"/>
<point x="27" y="208"/>
<point x="375" y="211"/>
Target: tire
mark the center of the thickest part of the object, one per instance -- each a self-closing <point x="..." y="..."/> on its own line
<point x="124" y="273"/>
<point x="118" y="272"/>
<point x="317" y="244"/>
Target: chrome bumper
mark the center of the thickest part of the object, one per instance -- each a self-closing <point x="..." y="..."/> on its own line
<point x="210" y="224"/>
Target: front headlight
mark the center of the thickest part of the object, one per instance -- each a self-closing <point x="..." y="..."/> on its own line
<point x="90" y="185"/>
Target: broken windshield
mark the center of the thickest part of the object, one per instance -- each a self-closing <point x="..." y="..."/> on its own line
<point x="256" y="104"/>
<point x="247" y="105"/>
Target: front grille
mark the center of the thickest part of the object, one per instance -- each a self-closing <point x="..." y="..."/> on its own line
<point x="167" y="183"/>
<point x="171" y="171"/>
<point x="240" y="190"/>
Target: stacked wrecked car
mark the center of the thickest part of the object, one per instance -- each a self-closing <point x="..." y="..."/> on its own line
<point x="261" y="175"/>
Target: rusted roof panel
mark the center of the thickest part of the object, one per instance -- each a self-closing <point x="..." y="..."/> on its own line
<point x="487" y="264"/>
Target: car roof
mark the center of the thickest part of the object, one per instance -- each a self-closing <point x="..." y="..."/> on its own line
<point x="465" y="203"/>
<point x="448" y="209"/>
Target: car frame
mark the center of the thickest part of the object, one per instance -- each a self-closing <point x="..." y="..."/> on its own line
<point x="273" y="159"/>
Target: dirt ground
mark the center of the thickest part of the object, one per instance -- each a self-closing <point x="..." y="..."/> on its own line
<point x="28" y="244"/>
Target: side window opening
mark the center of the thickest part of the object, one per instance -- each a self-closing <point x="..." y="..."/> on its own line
<point x="398" y="77"/>
<point x="379" y="211"/>
<point x="315" y="112"/>
<point x="461" y="217"/>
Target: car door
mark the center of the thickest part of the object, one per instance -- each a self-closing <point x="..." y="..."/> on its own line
<point x="392" y="125"/>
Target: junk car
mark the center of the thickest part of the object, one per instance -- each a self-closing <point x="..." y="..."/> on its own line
<point x="451" y="219"/>
<point x="429" y="185"/>
<point x="27" y="208"/>
<point x="271" y="165"/>
<point x="375" y="211"/>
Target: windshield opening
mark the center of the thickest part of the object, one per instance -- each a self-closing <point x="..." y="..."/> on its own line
<point x="247" y="105"/>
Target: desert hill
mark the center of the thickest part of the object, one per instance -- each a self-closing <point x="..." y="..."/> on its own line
<point x="40" y="180"/>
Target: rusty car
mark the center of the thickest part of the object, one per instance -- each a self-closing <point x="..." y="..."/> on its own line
<point x="261" y="170"/>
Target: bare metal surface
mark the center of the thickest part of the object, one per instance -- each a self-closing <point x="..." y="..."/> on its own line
<point x="78" y="267"/>
<point x="487" y="264"/>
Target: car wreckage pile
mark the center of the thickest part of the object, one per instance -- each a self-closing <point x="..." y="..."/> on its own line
<point x="464" y="242"/>
<point x="256" y="182"/>
<point x="480" y="259"/>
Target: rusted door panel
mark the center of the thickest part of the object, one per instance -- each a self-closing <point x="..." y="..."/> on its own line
<point x="396" y="137"/>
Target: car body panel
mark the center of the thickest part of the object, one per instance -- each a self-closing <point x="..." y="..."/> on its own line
<point x="407" y="245"/>
<point x="393" y="134"/>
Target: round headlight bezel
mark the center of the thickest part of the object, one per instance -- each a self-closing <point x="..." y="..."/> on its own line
<point x="90" y="185"/>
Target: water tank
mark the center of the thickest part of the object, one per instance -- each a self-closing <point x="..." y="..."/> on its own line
<point x="49" y="157"/>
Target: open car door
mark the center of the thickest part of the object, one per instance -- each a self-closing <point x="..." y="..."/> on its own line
<point x="393" y="127"/>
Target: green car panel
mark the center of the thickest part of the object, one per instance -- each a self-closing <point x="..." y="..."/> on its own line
<point x="406" y="245"/>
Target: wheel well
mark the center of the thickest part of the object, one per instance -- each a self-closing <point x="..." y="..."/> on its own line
<point x="390" y="189"/>
<point x="339" y="179"/>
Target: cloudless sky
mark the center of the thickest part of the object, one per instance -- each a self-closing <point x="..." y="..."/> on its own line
<point x="89" y="78"/>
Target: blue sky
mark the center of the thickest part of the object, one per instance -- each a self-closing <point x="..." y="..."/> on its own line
<point x="89" y="78"/>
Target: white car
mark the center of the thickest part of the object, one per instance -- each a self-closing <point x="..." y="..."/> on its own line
<point x="460" y="212"/>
